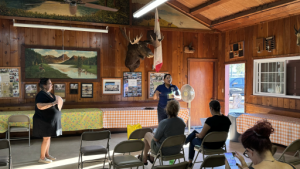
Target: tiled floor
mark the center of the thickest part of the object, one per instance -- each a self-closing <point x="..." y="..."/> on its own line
<point x="66" y="150"/>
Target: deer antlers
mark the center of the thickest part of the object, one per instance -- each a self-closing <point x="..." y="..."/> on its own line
<point x="157" y="42"/>
<point x="135" y="40"/>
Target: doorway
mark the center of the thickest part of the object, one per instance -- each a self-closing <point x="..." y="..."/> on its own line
<point x="202" y="77"/>
<point x="234" y="88"/>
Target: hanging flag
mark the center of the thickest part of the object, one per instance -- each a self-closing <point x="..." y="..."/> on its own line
<point x="158" y="60"/>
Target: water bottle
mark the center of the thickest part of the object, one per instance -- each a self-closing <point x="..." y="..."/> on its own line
<point x="171" y="162"/>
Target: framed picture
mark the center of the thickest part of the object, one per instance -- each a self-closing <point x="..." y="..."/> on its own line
<point x="154" y="80"/>
<point x="73" y="88"/>
<point x="30" y="91"/>
<point x="68" y="65"/>
<point x="112" y="86"/>
<point x="86" y="90"/>
<point x="132" y="84"/>
<point x="10" y="86"/>
<point x="60" y="90"/>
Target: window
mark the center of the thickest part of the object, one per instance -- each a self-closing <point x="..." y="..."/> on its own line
<point x="277" y="77"/>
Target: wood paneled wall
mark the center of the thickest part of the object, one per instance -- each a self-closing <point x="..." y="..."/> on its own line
<point x="284" y="32"/>
<point x="113" y="47"/>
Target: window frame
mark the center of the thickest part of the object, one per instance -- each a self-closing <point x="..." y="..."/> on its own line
<point x="256" y="84"/>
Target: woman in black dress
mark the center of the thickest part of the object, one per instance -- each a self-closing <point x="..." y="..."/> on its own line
<point x="47" y="118"/>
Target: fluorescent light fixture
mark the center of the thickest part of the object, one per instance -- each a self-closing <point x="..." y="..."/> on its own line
<point x="148" y="7"/>
<point x="25" y="25"/>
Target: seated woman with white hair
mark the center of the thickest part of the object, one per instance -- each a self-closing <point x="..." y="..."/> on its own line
<point x="171" y="126"/>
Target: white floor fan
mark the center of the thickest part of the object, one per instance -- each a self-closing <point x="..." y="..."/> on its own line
<point x="187" y="95"/>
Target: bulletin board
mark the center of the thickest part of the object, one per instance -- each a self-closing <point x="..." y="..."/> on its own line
<point x="10" y="86"/>
<point x="132" y="84"/>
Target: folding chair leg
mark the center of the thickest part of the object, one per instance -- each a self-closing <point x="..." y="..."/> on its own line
<point x="174" y="161"/>
<point x="81" y="162"/>
<point x="154" y="162"/>
<point x="161" y="162"/>
<point x="10" y="164"/>
<point x="29" y="137"/>
<point x="197" y="157"/>
<point x="104" y="161"/>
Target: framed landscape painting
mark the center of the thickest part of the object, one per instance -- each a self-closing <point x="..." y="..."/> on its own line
<point x="68" y="65"/>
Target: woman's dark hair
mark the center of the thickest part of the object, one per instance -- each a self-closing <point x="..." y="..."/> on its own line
<point x="166" y="76"/>
<point x="43" y="81"/>
<point x="258" y="137"/>
<point x="215" y="105"/>
<point x="172" y="108"/>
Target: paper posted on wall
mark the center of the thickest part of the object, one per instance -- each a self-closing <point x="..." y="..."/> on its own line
<point x="9" y="82"/>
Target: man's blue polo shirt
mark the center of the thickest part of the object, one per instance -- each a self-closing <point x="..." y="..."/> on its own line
<point x="163" y="97"/>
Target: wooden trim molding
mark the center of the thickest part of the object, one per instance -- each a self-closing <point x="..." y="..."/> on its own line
<point x="74" y="105"/>
<point x="254" y="108"/>
<point x="235" y="62"/>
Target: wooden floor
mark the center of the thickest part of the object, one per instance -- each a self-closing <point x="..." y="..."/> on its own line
<point x="66" y="150"/>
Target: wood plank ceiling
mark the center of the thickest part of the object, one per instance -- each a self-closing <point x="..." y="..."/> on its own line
<point x="226" y="15"/>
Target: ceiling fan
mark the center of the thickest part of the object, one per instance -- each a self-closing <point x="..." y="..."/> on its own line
<point x="73" y="5"/>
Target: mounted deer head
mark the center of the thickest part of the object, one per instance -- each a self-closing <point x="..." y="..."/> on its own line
<point x="297" y="32"/>
<point x="138" y="50"/>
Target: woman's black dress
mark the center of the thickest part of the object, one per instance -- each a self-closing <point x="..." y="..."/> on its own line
<point x="46" y="123"/>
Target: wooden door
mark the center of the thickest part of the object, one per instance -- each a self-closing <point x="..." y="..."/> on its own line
<point x="201" y="78"/>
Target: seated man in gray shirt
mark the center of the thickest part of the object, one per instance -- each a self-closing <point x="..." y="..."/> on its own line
<point x="171" y="126"/>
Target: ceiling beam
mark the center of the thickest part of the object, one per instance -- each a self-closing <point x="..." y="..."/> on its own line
<point x="206" y="6"/>
<point x="255" y="10"/>
<point x="185" y="10"/>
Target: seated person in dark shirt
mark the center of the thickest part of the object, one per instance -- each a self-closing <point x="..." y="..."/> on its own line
<point x="218" y="122"/>
<point x="171" y="126"/>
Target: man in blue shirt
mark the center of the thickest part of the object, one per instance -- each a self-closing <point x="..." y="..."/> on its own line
<point x="165" y="93"/>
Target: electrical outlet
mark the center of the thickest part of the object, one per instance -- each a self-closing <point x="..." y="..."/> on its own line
<point x="222" y="90"/>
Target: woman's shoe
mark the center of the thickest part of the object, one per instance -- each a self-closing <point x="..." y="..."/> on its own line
<point x="45" y="160"/>
<point x="51" y="158"/>
<point x="190" y="166"/>
<point x="139" y="157"/>
<point x="149" y="159"/>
